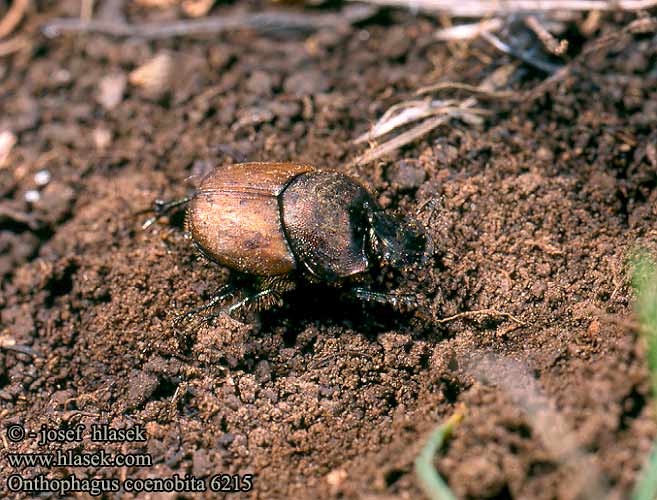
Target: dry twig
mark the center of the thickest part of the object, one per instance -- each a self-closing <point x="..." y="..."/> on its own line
<point x="486" y="8"/>
<point x="547" y="39"/>
<point x="263" y="22"/>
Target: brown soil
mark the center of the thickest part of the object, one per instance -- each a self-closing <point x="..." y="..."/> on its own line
<point x="534" y="215"/>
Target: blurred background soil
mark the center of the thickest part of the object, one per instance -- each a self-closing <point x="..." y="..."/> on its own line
<point x="533" y="214"/>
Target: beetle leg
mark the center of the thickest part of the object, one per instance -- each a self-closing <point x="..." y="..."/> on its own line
<point x="242" y="303"/>
<point x="222" y="293"/>
<point x="270" y="293"/>
<point x="398" y="300"/>
<point x="256" y="297"/>
<point x="161" y="208"/>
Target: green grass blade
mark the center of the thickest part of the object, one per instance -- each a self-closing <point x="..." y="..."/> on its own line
<point x="646" y="488"/>
<point x="433" y="486"/>
<point x="644" y="281"/>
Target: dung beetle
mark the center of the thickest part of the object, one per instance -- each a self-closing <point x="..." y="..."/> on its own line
<point x="281" y="223"/>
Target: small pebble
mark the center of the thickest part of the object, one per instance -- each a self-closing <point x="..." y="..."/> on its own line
<point x="154" y="77"/>
<point x="226" y="440"/>
<point x="102" y="138"/>
<point x="32" y="196"/>
<point x="111" y="89"/>
<point x="307" y="82"/>
<point x="260" y="83"/>
<point x="42" y="177"/>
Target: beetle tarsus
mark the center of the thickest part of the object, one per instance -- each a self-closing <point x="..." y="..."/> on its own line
<point x="397" y="300"/>
<point x="255" y="298"/>
<point x="161" y="208"/>
<point x="270" y="292"/>
<point x="223" y="293"/>
<point x="264" y="295"/>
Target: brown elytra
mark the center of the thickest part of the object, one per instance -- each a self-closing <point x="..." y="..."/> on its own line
<point x="235" y="217"/>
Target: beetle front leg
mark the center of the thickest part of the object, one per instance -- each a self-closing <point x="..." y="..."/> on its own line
<point x="397" y="300"/>
<point x="268" y="296"/>
<point x="255" y="298"/>
<point x="270" y="293"/>
<point x="161" y="208"/>
<point x="223" y="293"/>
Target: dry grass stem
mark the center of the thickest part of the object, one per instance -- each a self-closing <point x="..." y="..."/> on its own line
<point x="469" y="31"/>
<point x="464" y="86"/>
<point x="465" y="111"/>
<point x="87" y="9"/>
<point x="437" y="112"/>
<point x="401" y="140"/>
<point x="411" y="111"/>
<point x="407" y="112"/>
<point x="156" y="4"/>
<point x="263" y="22"/>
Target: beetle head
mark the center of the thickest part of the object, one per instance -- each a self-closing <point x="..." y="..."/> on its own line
<point x="399" y="242"/>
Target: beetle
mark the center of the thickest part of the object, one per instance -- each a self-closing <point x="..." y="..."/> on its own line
<point x="281" y="223"/>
